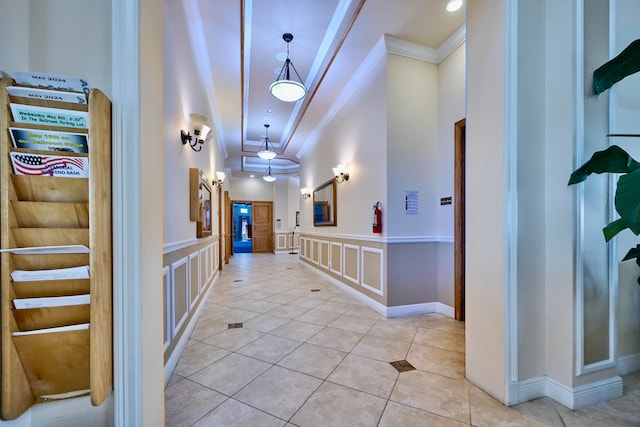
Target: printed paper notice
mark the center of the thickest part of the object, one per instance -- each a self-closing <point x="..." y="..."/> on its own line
<point x="47" y="95"/>
<point x="70" y="273"/>
<point x="48" y="250"/>
<point x="78" y="327"/>
<point x="43" y="165"/>
<point x="55" y="81"/>
<point x="411" y="203"/>
<point x="48" y="140"/>
<point x="24" y="303"/>
<point x="49" y="116"/>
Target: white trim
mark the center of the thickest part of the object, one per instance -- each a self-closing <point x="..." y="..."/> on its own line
<point x="320" y="258"/>
<point x="167" y="306"/>
<point x="573" y="398"/>
<point x="177" y="324"/>
<point x="380" y="239"/>
<point x="127" y="324"/>
<point x="455" y="40"/>
<point x="578" y="149"/>
<point x="331" y="244"/>
<point x="628" y="364"/>
<point x="167" y="248"/>
<point x="423" y="308"/>
<point x="172" y="362"/>
<point x="191" y="298"/>
<point x="315" y="257"/>
<point x="356" y="279"/>
<point x="511" y="197"/>
<point x="380" y="252"/>
<point x="204" y="269"/>
<point x="409" y="49"/>
<point x="585" y="395"/>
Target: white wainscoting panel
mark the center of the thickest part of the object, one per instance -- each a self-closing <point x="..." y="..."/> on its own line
<point x="205" y="262"/>
<point x="315" y="251"/>
<point x="336" y="258"/>
<point x="194" y="278"/>
<point x="351" y="263"/>
<point x="325" y="254"/>
<point x="373" y="270"/>
<point x="179" y="288"/>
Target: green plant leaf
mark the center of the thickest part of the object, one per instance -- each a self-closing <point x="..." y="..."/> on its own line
<point x="613" y="228"/>
<point x="633" y="253"/>
<point x="614" y="159"/>
<point x="626" y="63"/>
<point x="627" y="200"/>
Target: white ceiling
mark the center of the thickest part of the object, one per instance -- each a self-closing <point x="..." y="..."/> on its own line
<point x="237" y="42"/>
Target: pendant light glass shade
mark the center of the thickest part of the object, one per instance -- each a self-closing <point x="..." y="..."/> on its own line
<point x="284" y="88"/>
<point x="266" y="153"/>
<point x="268" y="177"/>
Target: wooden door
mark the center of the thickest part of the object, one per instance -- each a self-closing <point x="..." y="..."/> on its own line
<point x="262" y="226"/>
<point x="459" y="212"/>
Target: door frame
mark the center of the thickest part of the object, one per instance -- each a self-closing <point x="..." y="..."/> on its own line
<point x="459" y="218"/>
<point x="232" y="219"/>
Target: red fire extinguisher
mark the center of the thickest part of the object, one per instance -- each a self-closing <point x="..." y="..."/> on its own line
<point x="377" y="217"/>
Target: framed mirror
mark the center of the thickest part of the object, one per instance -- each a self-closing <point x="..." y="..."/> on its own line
<point x="203" y="225"/>
<point x="324" y="204"/>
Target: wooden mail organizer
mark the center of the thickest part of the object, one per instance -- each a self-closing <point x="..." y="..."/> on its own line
<point x="41" y="364"/>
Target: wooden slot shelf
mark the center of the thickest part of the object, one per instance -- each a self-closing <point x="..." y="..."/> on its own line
<point x="30" y="319"/>
<point x="65" y="367"/>
<point x="47" y="262"/>
<point x="50" y="288"/>
<point x="28" y="237"/>
<point x="52" y="211"/>
<point x="50" y="189"/>
<point x="47" y="214"/>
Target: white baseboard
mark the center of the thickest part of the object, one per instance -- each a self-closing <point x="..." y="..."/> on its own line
<point x="395" y="311"/>
<point x="172" y="362"/>
<point x="573" y="398"/>
<point x="628" y="364"/>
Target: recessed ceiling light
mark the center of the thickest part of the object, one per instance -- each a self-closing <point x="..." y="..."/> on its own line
<point x="282" y="56"/>
<point x="454" y="5"/>
<point x="269" y="110"/>
<point x="252" y="176"/>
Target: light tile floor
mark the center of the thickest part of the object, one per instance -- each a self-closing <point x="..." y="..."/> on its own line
<point x="306" y="358"/>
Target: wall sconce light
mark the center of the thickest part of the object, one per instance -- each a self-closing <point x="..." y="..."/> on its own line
<point x="284" y="88"/>
<point x="306" y="194"/>
<point x="341" y="173"/>
<point x="220" y="176"/>
<point x="454" y="5"/>
<point x="200" y="132"/>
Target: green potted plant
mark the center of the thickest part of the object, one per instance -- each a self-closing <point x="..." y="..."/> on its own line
<point x="616" y="160"/>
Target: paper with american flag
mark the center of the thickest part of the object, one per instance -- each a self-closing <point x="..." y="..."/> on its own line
<point x="45" y="165"/>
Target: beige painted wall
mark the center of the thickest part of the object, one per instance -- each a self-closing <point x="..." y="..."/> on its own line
<point x="251" y="189"/>
<point x="184" y="94"/>
<point x="355" y="137"/>
<point x="412" y="150"/>
<point x="485" y="260"/>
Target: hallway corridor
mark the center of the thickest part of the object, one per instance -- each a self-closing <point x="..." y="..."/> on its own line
<point x="278" y="345"/>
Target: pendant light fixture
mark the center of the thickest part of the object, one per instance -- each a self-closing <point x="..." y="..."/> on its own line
<point x="266" y="153"/>
<point x="284" y="88"/>
<point x="268" y="177"/>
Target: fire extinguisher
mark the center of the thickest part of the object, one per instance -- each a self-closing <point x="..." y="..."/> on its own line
<point x="377" y="217"/>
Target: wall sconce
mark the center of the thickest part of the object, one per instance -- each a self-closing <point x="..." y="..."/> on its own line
<point x="220" y="176"/>
<point x="341" y="173"/>
<point x="306" y="194"/>
<point x="200" y="132"/>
